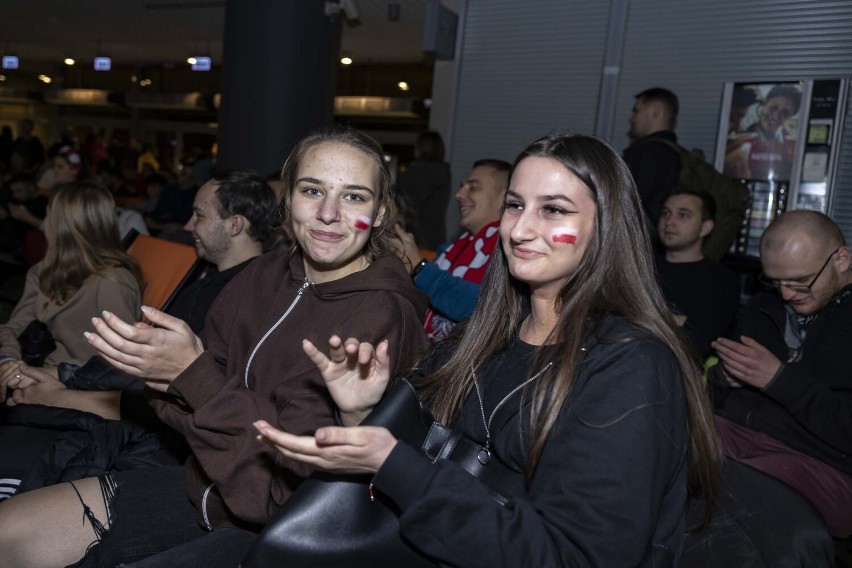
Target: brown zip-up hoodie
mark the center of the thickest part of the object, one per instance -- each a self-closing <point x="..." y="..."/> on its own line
<point x="254" y="367"/>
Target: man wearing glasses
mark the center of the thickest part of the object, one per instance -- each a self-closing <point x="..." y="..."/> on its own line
<point x="785" y="404"/>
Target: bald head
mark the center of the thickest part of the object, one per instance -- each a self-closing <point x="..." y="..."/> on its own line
<point x="796" y="229"/>
<point x="805" y="252"/>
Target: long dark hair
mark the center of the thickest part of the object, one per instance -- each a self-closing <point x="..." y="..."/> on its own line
<point x="82" y="240"/>
<point x="615" y="276"/>
<point x="379" y="243"/>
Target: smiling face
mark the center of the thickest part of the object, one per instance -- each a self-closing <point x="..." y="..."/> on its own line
<point x="775" y="113"/>
<point x="480" y="198"/>
<point x="333" y="208"/>
<point x="547" y="224"/>
<point x="212" y="241"/>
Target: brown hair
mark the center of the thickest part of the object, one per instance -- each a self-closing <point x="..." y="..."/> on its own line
<point x="82" y="239"/>
<point x="615" y="276"/>
<point x="379" y="243"/>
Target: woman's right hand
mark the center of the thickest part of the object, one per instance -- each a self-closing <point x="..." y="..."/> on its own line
<point x="10" y="376"/>
<point x="355" y="373"/>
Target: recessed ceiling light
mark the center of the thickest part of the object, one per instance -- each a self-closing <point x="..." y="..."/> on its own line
<point x="403" y="86"/>
<point x="191" y="60"/>
<point x="346" y="60"/>
<point x="44" y="79"/>
<point x="2" y="77"/>
<point x="69" y="61"/>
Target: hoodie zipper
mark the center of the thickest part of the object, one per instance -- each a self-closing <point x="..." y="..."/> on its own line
<point x="204" y="497"/>
<point x="271" y="329"/>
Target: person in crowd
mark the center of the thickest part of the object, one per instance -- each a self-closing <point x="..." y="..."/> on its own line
<point x="27" y="150"/>
<point x="600" y="410"/>
<point x="85" y="272"/>
<point x="655" y="166"/>
<point x="704" y="295"/>
<point x="233" y="213"/>
<point x="341" y="277"/>
<point x="25" y="210"/>
<point x="173" y="207"/>
<point x="453" y="279"/>
<point x="425" y="186"/>
<point x="784" y="390"/>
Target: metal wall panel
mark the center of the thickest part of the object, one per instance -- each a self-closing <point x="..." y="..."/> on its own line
<point x="695" y="47"/>
<point x="527" y="68"/>
<point x="530" y="67"/>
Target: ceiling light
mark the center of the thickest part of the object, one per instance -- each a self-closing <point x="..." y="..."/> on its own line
<point x="346" y="60"/>
<point x="191" y="60"/>
<point x="403" y="86"/>
<point x="69" y="61"/>
<point x="2" y="77"/>
<point x="44" y="79"/>
<point x="133" y="78"/>
<point x="103" y="63"/>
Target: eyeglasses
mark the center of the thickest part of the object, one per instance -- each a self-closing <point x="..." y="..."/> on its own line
<point x="796" y="288"/>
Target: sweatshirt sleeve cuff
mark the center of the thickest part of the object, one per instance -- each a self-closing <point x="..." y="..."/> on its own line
<point x="789" y="385"/>
<point x="404" y="476"/>
<point x="199" y="382"/>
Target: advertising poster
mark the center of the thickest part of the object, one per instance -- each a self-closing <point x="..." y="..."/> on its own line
<point x="763" y="125"/>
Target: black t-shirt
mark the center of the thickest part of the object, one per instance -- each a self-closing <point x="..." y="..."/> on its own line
<point x="706" y="293"/>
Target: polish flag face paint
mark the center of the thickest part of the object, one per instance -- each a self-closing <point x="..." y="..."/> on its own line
<point x="565" y="235"/>
<point x="363" y="222"/>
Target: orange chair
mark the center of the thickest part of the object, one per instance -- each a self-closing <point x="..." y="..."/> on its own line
<point x="428" y="254"/>
<point x="166" y="267"/>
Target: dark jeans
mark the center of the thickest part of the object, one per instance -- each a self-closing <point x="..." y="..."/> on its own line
<point x="151" y="513"/>
<point x="223" y="548"/>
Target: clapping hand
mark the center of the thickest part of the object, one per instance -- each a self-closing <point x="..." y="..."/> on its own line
<point x="157" y="354"/>
<point x="355" y="373"/>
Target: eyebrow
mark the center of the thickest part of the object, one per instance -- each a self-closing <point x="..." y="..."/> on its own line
<point x="555" y="197"/>
<point x="347" y="186"/>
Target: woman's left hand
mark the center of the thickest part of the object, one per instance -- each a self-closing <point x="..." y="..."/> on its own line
<point x="360" y="449"/>
<point x="157" y="354"/>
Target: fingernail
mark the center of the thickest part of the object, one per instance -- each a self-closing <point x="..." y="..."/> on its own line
<point x="95" y="321"/>
<point x="105" y="313"/>
<point x="86" y="334"/>
<point x="146" y="309"/>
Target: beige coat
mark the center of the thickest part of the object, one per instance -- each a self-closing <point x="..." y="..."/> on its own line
<point x="117" y="292"/>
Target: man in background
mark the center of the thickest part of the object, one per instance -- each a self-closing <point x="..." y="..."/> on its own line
<point x="453" y="279"/>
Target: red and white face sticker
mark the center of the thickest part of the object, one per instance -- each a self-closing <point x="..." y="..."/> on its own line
<point x="565" y="235"/>
<point x="363" y="223"/>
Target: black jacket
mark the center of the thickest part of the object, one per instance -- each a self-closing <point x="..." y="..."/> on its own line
<point x="809" y="404"/>
<point x="610" y="488"/>
<point x="655" y="168"/>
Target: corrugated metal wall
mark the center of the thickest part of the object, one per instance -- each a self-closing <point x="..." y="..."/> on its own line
<point x="529" y="67"/>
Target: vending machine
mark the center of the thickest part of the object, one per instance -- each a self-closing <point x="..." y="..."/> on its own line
<point x="783" y="140"/>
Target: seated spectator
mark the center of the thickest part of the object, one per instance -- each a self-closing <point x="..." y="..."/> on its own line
<point x="173" y="208"/>
<point x="784" y="386"/>
<point x="27" y="150"/>
<point x="425" y="187"/>
<point x="340" y="278"/>
<point x="68" y="166"/>
<point x="704" y="295"/>
<point x="232" y="216"/>
<point x="452" y="280"/>
<point x="22" y="211"/>
<point x="85" y="272"/>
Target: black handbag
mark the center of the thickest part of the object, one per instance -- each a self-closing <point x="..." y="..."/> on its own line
<point x="36" y="343"/>
<point x="330" y="520"/>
